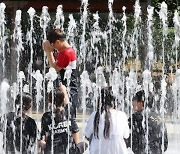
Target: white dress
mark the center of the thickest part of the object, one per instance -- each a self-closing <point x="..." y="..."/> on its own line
<point x="119" y="130"/>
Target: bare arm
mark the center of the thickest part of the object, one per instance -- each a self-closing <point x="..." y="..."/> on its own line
<point x="42" y="144"/>
<point x="66" y="98"/>
<point x="76" y="137"/>
<point x="49" y="52"/>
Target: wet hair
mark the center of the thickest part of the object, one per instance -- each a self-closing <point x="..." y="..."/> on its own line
<point x="26" y="101"/>
<point x="58" y="99"/>
<point x="106" y="100"/>
<point x="56" y="34"/>
<point x="140" y="97"/>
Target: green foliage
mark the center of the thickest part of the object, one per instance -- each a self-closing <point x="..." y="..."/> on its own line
<point x="172" y="4"/>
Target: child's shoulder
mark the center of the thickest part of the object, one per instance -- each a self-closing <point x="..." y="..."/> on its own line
<point x="121" y="114"/>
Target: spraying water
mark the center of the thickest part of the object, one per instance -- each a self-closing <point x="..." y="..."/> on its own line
<point x="39" y="80"/>
<point x="59" y="22"/>
<point x="98" y="45"/>
<point x="83" y="21"/>
<point x="163" y="17"/>
<point x="2" y="35"/>
<point x="176" y="20"/>
<point x="124" y="53"/>
<point x="21" y="78"/>
<point x="85" y="86"/>
<point x="31" y="13"/>
<point x="136" y="31"/>
<point x="116" y="88"/>
<point x="44" y="20"/>
<point x="72" y="29"/>
<point x="4" y="97"/>
<point x="147" y="86"/>
<point x="51" y="76"/>
<point x="96" y="34"/>
<point x="150" y="55"/>
<point x="110" y="25"/>
<point x="17" y="37"/>
<point x="4" y="100"/>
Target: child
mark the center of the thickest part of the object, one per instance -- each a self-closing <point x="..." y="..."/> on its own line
<point x="107" y="127"/>
<point x="55" y="130"/>
<point x="12" y="123"/>
<point x="143" y="124"/>
<point x="65" y="59"/>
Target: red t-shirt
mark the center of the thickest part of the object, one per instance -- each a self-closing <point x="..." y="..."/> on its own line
<point x="66" y="58"/>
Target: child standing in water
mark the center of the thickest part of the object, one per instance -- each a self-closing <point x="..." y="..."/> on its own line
<point x="107" y="127"/>
<point x="11" y="124"/>
<point x="65" y="59"/>
<point x="61" y="130"/>
<point x="146" y="123"/>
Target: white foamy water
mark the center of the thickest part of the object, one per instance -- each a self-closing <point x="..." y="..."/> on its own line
<point x="112" y="50"/>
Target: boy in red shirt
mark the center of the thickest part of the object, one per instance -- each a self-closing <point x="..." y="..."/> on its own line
<point x="65" y="59"/>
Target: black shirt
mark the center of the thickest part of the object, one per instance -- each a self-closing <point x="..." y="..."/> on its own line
<point x="59" y="130"/>
<point x="11" y="128"/>
<point x="156" y="129"/>
<point x="138" y="133"/>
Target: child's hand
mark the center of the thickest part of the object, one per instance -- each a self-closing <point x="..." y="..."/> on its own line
<point x="47" y="46"/>
<point x="42" y="144"/>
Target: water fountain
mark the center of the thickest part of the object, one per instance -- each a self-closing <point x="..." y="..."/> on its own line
<point x="101" y="60"/>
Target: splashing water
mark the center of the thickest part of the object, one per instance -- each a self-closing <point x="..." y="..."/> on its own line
<point x="2" y="35"/>
<point x="176" y="20"/>
<point x="44" y="20"/>
<point x="4" y="100"/>
<point x="17" y="37"/>
<point x="31" y="13"/>
<point x="83" y="21"/>
<point x="163" y="17"/>
<point x="4" y="97"/>
<point x="95" y="44"/>
<point x="150" y="55"/>
<point x="39" y="80"/>
<point x="51" y="76"/>
<point x="110" y="25"/>
<point x="72" y="29"/>
<point x="59" y="22"/>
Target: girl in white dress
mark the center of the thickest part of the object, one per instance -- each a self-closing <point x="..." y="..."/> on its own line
<point x="107" y="128"/>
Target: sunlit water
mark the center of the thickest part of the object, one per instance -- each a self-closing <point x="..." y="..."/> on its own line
<point x="107" y="55"/>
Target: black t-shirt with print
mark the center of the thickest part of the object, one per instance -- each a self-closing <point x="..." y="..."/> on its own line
<point x="59" y="131"/>
<point x="11" y="128"/>
<point x="155" y="133"/>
